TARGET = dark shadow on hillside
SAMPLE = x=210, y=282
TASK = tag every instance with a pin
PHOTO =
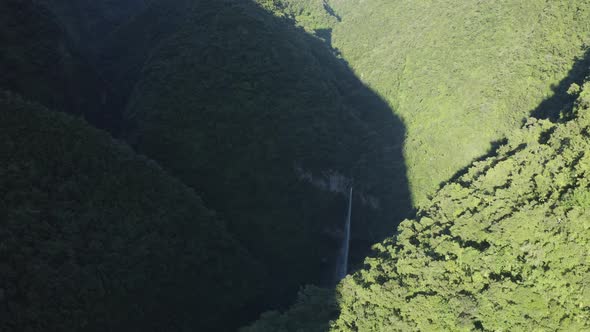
x=561, y=100
x=375, y=166
x=325, y=34
x=492, y=152
x=39, y=62
x=554, y=108
x=265, y=83
x=285, y=94
x=331, y=11
x=126, y=49
x=371, y=160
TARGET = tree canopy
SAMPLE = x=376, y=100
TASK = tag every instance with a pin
x=504, y=247
x=462, y=125
x=96, y=238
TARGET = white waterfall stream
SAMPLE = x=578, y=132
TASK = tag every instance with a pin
x=342, y=262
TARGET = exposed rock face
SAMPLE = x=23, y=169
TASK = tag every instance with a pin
x=333, y=181
x=329, y=180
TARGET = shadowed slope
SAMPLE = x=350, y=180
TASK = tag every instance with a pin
x=501, y=248
x=89, y=23
x=129, y=47
x=270, y=127
x=38, y=62
x=96, y=238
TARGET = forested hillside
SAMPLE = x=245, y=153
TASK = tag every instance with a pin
x=242, y=126
x=96, y=238
x=505, y=247
x=262, y=120
x=124, y=54
x=90, y=23
x=273, y=158
x=502, y=248
x=38, y=61
x=461, y=74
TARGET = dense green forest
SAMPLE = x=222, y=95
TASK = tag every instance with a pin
x=96, y=238
x=504, y=247
x=460, y=74
x=90, y=24
x=37, y=60
x=240, y=125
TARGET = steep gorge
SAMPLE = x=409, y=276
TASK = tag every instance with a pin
x=235, y=101
x=267, y=112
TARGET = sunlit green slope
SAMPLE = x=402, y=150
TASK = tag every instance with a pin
x=502, y=248
x=461, y=74
x=96, y=238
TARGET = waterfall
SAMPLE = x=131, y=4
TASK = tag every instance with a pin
x=342, y=263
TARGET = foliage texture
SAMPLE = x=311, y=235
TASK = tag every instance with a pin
x=96, y=238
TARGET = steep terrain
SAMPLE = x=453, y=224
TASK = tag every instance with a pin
x=267, y=112
x=38, y=61
x=96, y=238
x=505, y=247
x=124, y=54
x=502, y=248
x=461, y=74
x=90, y=23
x=270, y=127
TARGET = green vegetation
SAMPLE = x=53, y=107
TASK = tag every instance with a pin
x=460, y=74
x=126, y=51
x=96, y=238
x=312, y=312
x=238, y=104
x=505, y=247
x=262, y=111
x=90, y=23
x=315, y=16
x=37, y=61
x=502, y=248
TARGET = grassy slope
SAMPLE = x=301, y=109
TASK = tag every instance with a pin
x=461, y=74
x=235, y=101
x=502, y=248
x=96, y=238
